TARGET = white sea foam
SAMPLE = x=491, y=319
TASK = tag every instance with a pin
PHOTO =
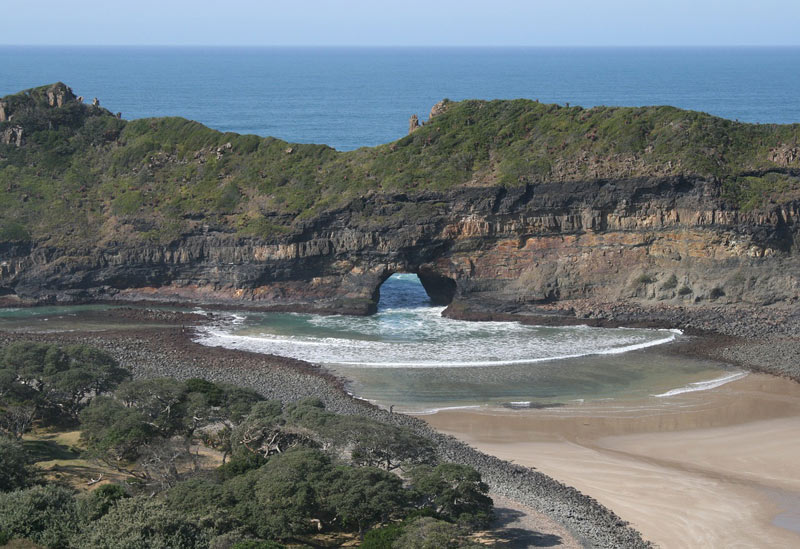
x=409, y=333
x=431, y=411
x=450, y=353
x=704, y=385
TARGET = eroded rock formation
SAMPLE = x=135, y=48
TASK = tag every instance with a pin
x=661, y=240
x=413, y=123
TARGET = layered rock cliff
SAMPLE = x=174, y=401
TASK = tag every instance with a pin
x=501, y=207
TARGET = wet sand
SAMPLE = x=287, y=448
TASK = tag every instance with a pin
x=715, y=468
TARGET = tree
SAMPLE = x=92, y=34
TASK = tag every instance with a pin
x=15, y=469
x=456, y=492
x=371, y=443
x=16, y=420
x=430, y=533
x=377, y=444
x=282, y=499
x=161, y=401
x=113, y=433
x=54, y=379
x=94, y=505
x=357, y=498
x=44, y=514
x=265, y=432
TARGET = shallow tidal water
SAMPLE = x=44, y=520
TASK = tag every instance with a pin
x=409, y=356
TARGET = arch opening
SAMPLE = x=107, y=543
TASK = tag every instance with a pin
x=408, y=289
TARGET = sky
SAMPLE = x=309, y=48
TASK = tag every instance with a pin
x=402, y=22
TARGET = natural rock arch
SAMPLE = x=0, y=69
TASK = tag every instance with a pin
x=440, y=288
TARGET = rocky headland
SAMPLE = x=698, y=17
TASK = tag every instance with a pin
x=503, y=207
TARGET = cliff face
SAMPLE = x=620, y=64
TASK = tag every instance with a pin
x=657, y=240
x=612, y=227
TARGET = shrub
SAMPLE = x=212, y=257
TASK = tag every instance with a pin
x=15, y=469
x=96, y=504
x=250, y=544
x=142, y=522
x=643, y=279
x=684, y=290
x=430, y=533
x=45, y=514
x=670, y=283
x=716, y=293
x=14, y=232
x=382, y=538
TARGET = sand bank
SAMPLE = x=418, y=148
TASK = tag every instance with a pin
x=714, y=468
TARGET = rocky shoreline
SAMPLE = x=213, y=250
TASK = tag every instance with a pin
x=760, y=339
x=169, y=351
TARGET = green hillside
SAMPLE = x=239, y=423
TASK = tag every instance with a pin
x=79, y=171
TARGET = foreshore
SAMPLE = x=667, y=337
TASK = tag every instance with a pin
x=713, y=468
x=168, y=350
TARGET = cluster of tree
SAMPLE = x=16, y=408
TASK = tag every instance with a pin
x=288, y=472
x=51, y=384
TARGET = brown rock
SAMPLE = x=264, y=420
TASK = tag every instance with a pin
x=413, y=123
x=3, y=113
x=438, y=109
x=12, y=136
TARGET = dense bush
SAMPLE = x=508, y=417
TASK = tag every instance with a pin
x=44, y=514
x=293, y=472
x=430, y=533
x=15, y=469
x=142, y=523
x=52, y=382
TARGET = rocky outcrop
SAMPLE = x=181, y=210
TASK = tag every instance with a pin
x=413, y=123
x=649, y=241
x=438, y=109
x=12, y=136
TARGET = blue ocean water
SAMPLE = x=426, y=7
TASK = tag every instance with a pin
x=348, y=98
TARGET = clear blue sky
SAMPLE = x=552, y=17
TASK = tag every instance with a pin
x=401, y=22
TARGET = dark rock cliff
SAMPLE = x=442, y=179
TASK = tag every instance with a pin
x=655, y=240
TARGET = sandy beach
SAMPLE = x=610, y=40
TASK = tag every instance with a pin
x=715, y=468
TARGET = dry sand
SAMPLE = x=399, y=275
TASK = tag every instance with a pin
x=716, y=468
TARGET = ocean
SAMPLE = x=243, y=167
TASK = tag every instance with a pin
x=348, y=98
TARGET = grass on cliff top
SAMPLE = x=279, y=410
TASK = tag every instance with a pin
x=84, y=176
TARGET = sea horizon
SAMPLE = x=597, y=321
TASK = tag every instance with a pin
x=351, y=97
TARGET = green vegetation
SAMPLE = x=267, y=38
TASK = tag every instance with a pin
x=202, y=464
x=752, y=192
x=643, y=280
x=51, y=384
x=94, y=174
x=671, y=283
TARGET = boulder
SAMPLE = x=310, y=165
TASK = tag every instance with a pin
x=438, y=109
